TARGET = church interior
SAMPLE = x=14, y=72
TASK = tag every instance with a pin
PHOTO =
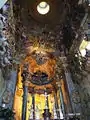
x=44, y=59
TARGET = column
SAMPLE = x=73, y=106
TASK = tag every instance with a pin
x=75, y=106
x=25, y=76
x=56, y=106
x=61, y=98
x=71, y=88
x=33, y=105
x=11, y=8
x=24, y=104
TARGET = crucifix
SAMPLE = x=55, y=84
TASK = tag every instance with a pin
x=46, y=100
x=46, y=114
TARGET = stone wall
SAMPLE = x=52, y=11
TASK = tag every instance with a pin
x=8, y=95
x=86, y=83
x=80, y=96
x=2, y=85
x=85, y=96
x=7, y=89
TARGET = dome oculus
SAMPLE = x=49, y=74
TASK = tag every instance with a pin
x=43, y=8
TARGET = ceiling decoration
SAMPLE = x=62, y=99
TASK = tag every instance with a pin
x=29, y=26
x=55, y=14
x=53, y=33
x=5, y=57
x=57, y=28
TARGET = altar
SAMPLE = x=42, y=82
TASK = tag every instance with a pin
x=40, y=94
x=39, y=106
